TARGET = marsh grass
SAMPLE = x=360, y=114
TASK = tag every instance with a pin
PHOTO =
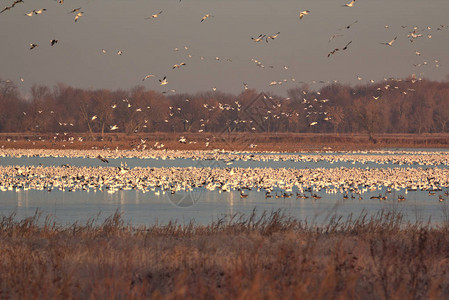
x=255, y=256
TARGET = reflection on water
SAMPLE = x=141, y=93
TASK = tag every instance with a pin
x=204, y=206
x=147, y=208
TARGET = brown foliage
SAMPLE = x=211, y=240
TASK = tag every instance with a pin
x=257, y=256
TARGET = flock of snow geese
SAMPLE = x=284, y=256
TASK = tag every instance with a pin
x=391, y=182
x=78, y=12
x=304, y=182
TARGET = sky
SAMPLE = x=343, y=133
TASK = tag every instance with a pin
x=299, y=54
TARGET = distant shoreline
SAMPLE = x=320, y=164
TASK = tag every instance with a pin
x=283, y=142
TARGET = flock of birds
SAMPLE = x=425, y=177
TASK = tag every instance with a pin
x=302, y=183
x=163, y=80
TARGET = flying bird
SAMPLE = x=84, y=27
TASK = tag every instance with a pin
x=346, y=47
x=303, y=13
x=259, y=38
x=32, y=46
x=78, y=15
x=38, y=12
x=74, y=10
x=154, y=15
x=351, y=4
x=390, y=42
x=176, y=66
x=53, y=42
x=147, y=76
x=5, y=9
x=205, y=17
x=272, y=37
x=163, y=81
x=114, y=127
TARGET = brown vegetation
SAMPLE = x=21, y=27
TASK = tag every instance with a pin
x=408, y=106
x=291, y=142
x=250, y=257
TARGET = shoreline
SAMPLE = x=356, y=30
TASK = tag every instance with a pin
x=278, y=142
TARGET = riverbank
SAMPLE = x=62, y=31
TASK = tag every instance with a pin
x=242, y=257
x=288, y=142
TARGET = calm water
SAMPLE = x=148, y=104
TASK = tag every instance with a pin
x=202, y=205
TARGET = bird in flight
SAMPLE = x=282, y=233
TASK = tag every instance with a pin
x=334, y=36
x=38, y=12
x=163, y=81
x=351, y=4
x=205, y=17
x=176, y=66
x=6, y=8
x=390, y=43
x=78, y=15
x=147, y=76
x=272, y=37
x=32, y=46
x=259, y=38
x=154, y=15
x=114, y=127
x=53, y=42
x=303, y=13
x=74, y=10
x=338, y=49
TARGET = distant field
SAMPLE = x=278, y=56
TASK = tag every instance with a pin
x=233, y=141
x=247, y=258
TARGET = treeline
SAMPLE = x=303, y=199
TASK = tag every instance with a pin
x=391, y=106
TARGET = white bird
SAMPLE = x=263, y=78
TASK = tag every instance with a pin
x=155, y=15
x=114, y=127
x=32, y=46
x=313, y=123
x=104, y=51
x=303, y=13
x=78, y=15
x=259, y=38
x=74, y=10
x=38, y=12
x=351, y=4
x=205, y=17
x=163, y=81
x=94, y=117
x=119, y=52
x=390, y=42
x=272, y=37
x=176, y=66
x=147, y=76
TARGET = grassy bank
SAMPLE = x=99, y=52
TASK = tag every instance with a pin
x=247, y=257
x=235, y=141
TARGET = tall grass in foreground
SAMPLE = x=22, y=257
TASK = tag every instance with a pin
x=251, y=257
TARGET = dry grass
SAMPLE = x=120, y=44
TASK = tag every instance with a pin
x=248, y=257
x=236, y=141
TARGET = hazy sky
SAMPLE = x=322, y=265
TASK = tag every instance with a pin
x=148, y=45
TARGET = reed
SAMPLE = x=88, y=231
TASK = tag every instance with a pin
x=255, y=256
